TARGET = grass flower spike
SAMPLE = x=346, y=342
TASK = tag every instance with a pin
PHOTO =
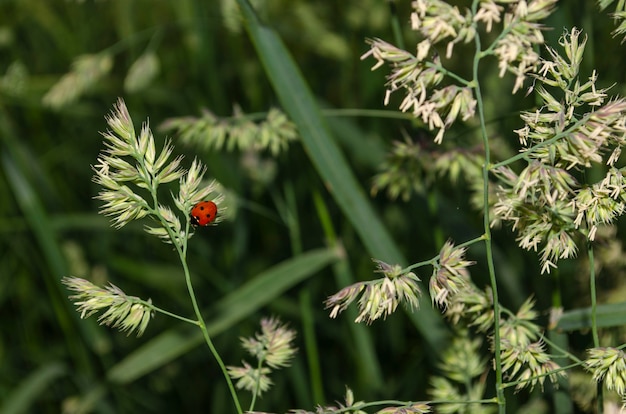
x=608, y=365
x=128, y=313
x=87, y=71
x=523, y=350
x=131, y=160
x=273, y=344
x=450, y=274
x=520, y=36
x=576, y=128
x=462, y=376
x=436, y=107
x=419, y=75
x=380, y=297
x=130, y=172
x=273, y=348
x=273, y=134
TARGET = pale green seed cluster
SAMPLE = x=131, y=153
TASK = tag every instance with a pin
x=272, y=348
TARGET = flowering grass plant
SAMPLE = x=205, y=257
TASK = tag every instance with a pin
x=576, y=126
x=131, y=173
x=544, y=193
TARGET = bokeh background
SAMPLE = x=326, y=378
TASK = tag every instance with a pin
x=283, y=228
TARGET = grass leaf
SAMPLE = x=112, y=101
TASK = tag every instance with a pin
x=298, y=101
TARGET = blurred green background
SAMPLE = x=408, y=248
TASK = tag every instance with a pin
x=285, y=230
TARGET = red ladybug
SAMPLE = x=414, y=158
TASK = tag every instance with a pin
x=203, y=213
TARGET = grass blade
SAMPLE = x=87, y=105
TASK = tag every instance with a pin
x=608, y=315
x=298, y=101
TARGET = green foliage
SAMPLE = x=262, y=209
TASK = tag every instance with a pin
x=297, y=225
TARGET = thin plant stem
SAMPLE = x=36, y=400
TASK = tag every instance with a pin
x=566, y=353
x=430, y=262
x=399, y=403
x=182, y=249
x=170, y=314
x=545, y=143
x=547, y=340
x=446, y=72
x=434, y=260
x=592, y=291
x=257, y=386
x=470, y=242
x=487, y=229
x=594, y=319
x=505, y=31
x=536, y=376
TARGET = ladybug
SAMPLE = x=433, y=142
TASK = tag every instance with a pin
x=203, y=213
